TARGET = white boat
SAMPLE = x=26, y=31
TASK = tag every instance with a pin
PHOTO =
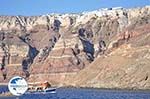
x=45, y=91
x=38, y=88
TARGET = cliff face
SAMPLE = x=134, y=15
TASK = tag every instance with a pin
x=56, y=46
x=126, y=66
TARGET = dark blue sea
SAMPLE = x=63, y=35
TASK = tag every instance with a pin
x=83, y=93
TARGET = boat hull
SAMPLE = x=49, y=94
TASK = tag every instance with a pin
x=48, y=90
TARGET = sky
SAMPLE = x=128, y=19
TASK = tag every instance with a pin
x=41, y=7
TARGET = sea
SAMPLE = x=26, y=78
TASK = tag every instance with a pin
x=83, y=93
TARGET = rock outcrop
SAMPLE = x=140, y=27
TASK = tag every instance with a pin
x=56, y=45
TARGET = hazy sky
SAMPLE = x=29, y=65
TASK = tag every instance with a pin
x=39, y=7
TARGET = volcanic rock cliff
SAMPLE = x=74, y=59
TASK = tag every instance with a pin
x=61, y=48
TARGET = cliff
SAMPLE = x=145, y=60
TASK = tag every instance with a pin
x=60, y=48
